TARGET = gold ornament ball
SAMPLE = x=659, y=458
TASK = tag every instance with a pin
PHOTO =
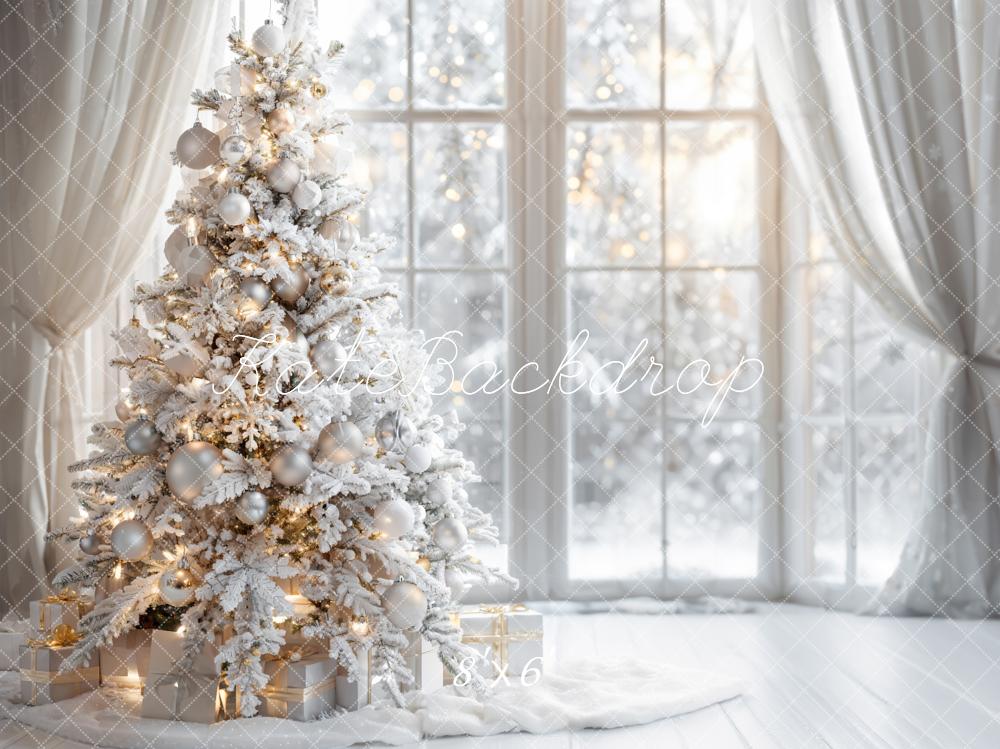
x=280, y=121
x=284, y=175
x=141, y=437
x=290, y=291
x=336, y=282
x=340, y=442
x=291, y=465
x=318, y=90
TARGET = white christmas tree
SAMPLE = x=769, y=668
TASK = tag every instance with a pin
x=277, y=468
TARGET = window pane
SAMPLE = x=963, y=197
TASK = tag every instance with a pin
x=712, y=500
x=471, y=303
x=826, y=309
x=460, y=194
x=888, y=482
x=709, y=54
x=617, y=503
x=613, y=53
x=374, y=60
x=379, y=166
x=458, y=52
x=712, y=317
x=613, y=180
x=711, y=193
x=826, y=513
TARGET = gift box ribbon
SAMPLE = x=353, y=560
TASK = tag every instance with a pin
x=501, y=637
x=62, y=598
x=297, y=694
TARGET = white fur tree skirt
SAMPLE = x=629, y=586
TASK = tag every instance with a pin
x=606, y=694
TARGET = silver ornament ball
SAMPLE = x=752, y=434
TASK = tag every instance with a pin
x=141, y=437
x=90, y=544
x=306, y=195
x=291, y=465
x=405, y=605
x=197, y=147
x=393, y=517
x=131, y=540
x=329, y=357
x=252, y=507
x=256, y=291
x=268, y=40
x=450, y=534
x=394, y=431
x=234, y=208
x=235, y=150
x=284, y=175
x=191, y=468
x=418, y=458
x=340, y=442
x=177, y=587
x=290, y=291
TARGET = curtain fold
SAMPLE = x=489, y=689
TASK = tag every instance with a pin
x=94, y=95
x=888, y=111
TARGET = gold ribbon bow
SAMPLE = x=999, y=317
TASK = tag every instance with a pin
x=62, y=598
x=501, y=636
x=63, y=636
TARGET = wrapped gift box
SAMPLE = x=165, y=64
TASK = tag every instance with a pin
x=13, y=634
x=41, y=681
x=299, y=689
x=65, y=608
x=192, y=694
x=125, y=662
x=508, y=637
x=421, y=658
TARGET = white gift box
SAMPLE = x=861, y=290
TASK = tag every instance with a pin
x=41, y=681
x=509, y=639
x=13, y=634
x=191, y=694
x=421, y=658
x=125, y=662
x=50, y=612
x=299, y=690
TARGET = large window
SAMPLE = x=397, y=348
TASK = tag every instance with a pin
x=555, y=167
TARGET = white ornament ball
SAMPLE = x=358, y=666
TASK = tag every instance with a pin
x=185, y=365
x=256, y=291
x=291, y=465
x=90, y=544
x=177, y=587
x=280, y=121
x=457, y=583
x=405, y=605
x=340, y=442
x=418, y=458
x=450, y=534
x=141, y=437
x=329, y=357
x=268, y=40
x=191, y=468
x=252, y=507
x=328, y=229
x=284, y=175
x=290, y=291
x=394, y=517
x=197, y=147
x=394, y=431
x=347, y=235
x=235, y=150
x=131, y=539
x=234, y=208
x=306, y=195
x=440, y=491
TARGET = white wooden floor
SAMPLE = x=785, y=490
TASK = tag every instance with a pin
x=816, y=679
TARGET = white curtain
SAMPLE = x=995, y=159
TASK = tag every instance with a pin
x=94, y=96
x=889, y=112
